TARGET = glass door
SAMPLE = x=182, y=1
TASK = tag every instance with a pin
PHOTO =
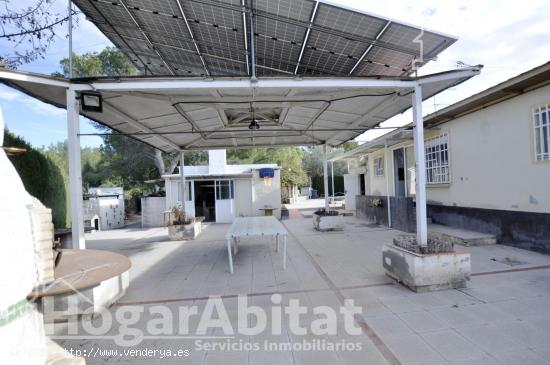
x=225, y=201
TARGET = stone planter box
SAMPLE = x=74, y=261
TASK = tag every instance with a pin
x=185, y=232
x=426, y=272
x=328, y=222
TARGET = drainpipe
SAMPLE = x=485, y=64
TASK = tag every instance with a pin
x=388, y=198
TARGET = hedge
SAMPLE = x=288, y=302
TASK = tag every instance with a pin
x=41, y=177
x=318, y=184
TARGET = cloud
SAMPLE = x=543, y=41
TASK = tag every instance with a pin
x=42, y=108
x=36, y=106
x=8, y=95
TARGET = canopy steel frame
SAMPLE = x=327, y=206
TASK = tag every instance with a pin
x=403, y=87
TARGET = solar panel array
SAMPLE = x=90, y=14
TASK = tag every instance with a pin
x=282, y=37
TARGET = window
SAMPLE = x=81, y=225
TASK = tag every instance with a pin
x=379, y=166
x=224, y=189
x=187, y=190
x=437, y=160
x=541, y=132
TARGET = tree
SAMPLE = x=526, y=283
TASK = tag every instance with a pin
x=288, y=158
x=30, y=29
x=109, y=62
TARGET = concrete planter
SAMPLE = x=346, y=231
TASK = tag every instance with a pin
x=184, y=232
x=328, y=222
x=422, y=273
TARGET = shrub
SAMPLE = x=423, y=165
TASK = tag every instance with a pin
x=41, y=177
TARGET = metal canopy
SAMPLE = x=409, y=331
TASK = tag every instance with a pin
x=174, y=113
x=261, y=37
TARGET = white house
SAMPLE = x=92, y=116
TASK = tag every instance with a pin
x=219, y=192
x=104, y=208
x=487, y=165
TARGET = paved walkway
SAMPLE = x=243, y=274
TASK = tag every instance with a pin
x=501, y=318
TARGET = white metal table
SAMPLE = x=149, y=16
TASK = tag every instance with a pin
x=254, y=226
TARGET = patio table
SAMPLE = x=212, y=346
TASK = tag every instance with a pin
x=254, y=226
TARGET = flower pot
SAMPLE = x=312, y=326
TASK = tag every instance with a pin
x=184, y=232
x=426, y=272
x=328, y=222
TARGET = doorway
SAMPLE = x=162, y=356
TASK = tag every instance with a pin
x=205, y=200
x=399, y=172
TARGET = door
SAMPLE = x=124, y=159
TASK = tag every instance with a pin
x=225, y=201
x=399, y=177
x=189, y=197
x=351, y=187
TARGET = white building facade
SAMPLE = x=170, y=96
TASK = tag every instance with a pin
x=219, y=192
x=487, y=166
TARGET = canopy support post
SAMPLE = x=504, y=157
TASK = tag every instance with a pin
x=182, y=181
x=388, y=197
x=332, y=178
x=75, y=170
x=325, y=176
x=420, y=167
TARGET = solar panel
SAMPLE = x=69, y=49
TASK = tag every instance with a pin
x=302, y=37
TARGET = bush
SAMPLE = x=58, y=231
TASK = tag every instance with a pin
x=41, y=177
x=132, y=199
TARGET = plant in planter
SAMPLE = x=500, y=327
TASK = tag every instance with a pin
x=377, y=203
x=327, y=220
x=438, y=265
x=183, y=227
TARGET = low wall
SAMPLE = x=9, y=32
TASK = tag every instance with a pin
x=151, y=211
x=402, y=211
x=526, y=230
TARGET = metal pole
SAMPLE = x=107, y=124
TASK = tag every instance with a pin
x=75, y=170
x=325, y=175
x=388, y=197
x=420, y=167
x=182, y=181
x=252, y=42
x=332, y=176
x=70, y=39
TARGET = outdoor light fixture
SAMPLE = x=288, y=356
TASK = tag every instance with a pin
x=91, y=101
x=254, y=125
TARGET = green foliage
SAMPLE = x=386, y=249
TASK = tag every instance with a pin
x=42, y=177
x=288, y=158
x=318, y=184
x=130, y=163
x=109, y=62
x=132, y=199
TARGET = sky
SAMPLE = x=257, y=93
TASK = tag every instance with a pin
x=506, y=36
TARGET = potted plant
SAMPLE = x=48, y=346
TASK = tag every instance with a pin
x=183, y=228
x=376, y=202
x=327, y=220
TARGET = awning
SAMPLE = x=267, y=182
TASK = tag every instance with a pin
x=178, y=113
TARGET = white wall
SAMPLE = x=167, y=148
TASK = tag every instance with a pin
x=377, y=184
x=492, y=163
x=491, y=160
x=243, y=198
x=263, y=195
x=151, y=211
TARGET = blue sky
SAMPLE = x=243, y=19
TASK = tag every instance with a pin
x=505, y=37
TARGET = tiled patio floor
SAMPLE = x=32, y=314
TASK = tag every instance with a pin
x=503, y=316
